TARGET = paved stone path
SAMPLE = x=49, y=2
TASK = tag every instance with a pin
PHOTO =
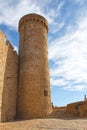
x=46, y=124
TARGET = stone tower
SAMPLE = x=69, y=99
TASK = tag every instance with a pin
x=34, y=99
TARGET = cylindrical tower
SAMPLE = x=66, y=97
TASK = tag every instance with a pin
x=34, y=99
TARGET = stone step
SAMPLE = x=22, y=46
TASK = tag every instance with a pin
x=59, y=114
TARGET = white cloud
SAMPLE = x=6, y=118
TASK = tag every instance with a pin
x=75, y=88
x=56, y=27
x=11, y=13
x=69, y=54
x=58, y=82
x=16, y=49
x=60, y=5
x=80, y=1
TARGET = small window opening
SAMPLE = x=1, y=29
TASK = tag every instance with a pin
x=45, y=93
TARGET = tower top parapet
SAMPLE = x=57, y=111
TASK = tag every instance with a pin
x=35, y=17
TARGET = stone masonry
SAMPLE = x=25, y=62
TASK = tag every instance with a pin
x=34, y=99
x=8, y=80
x=78, y=109
x=24, y=78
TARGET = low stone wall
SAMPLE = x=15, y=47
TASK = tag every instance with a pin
x=78, y=109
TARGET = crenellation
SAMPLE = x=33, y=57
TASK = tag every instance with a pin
x=8, y=43
x=33, y=17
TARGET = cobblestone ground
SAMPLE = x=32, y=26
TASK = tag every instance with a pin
x=46, y=124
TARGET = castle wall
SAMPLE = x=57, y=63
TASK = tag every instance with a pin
x=34, y=82
x=8, y=81
x=2, y=65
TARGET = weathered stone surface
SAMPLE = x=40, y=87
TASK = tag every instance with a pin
x=34, y=82
x=8, y=80
x=78, y=109
x=32, y=79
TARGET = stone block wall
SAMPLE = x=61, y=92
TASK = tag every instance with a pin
x=8, y=80
x=78, y=109
x=2, y=65
x=83, y=109
x=34, y=97
x=71, y=108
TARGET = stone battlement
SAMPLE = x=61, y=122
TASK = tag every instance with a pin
x=9, y=44
x=6, y=42
x=33, y=17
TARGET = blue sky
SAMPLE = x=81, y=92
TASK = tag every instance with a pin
x=67, y=42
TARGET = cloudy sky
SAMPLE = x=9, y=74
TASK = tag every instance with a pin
x=67, y=41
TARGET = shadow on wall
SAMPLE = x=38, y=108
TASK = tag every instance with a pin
x=9, y=94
